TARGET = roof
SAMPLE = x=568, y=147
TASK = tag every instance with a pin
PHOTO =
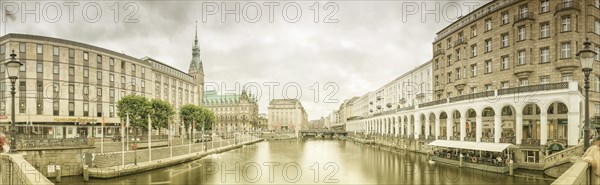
x=469, y=145
x=213, y=96
x=291, y=101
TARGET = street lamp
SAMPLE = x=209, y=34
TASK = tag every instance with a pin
x=586, y=56
x=12, y=68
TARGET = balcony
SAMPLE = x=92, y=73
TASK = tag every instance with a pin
x=523, y=70
x=438, y=52
x=567, y=6
x=524, y=17
x=471, y=96
x=388, y=105
x=432, y=103
x=533, y=88
x=566, y=65
x=530, y=142
x=430, y=137
x=459, y=42
x=455, y=138
x=439, y=88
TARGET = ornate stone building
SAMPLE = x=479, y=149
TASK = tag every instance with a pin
x=233, y=112
x=287, y=115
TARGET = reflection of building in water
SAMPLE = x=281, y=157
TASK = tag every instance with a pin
x=233, y=112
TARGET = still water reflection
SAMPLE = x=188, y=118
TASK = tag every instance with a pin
x=318, y=162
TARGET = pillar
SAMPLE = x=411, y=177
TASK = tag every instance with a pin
x=437, y=127
x=519, y=131
x=397, y=125
x=417, y=126
x=449, y=128
x=427, y=129
x=479, y=128
x=497, y=126
x=543, y=127
x=463, y=127
x=573, y=128
x=402, y=131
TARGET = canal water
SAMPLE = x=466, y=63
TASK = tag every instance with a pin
x=317, y=162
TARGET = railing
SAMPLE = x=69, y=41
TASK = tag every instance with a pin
x=576, y=174
x=567, y=5
x=14, y=169
x=471, y=96
x=562, y=156
x=459, y=42
x=441, y=137
x=524, y=16
x=421, y=136
x=470, y=139
x=438, y=52
x=430, y=137
x=412, y=107
x=507, y=140
x=487, y=139
x=52, y=143
x=432, y=103
x=532, y=88
x=455, y=138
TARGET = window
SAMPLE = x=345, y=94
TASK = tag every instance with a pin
x=71, y=108
x=457, y=73
x=457, y=55
x=597, y=27
x=474, y=70
x=86, y=90
x=474, y=50
x=488, y=66
x=55, y=51
x=598, y=52
x=523, y=82
x=566, y=23
x=565, y=50
x=23, y=67
x=449, y=62
x=86, y=56
x=473, y=89
x=111, y=111
x=133, y=67
x=111, y=61
x=99, y=60
x=2, y=49
x=488, y=45
x=504, y=40
x=86, y=72
x=71, y=53
x=504, y=18
x=598, y=83
x=71, y=71
x=521, y=34
x=474, y=31
x=143, y=84
x=143, y=70
x=449, y=77
x=99, y=75
x=544, y=55
x=22, y=47
x=523, y=11
x=39, y=49
x=111, y=93
x=71, y=89
x=545, y=6
x=40, y=67
x=544, y=30
x=111, y=77
x=488, y=87
x=99, y=91
x=521, y=58
x=567, y=77
x=449, y=42
x=505, y=84
x=488, y=24
x=505, y=63
x=544, y=79
x=86, y=108
x=597, y=108
x=55, y=87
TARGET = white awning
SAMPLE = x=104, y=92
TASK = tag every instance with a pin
x=469, y=145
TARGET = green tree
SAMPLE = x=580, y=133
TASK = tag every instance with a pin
x=189, y=114
x=137, y=108
x=161, y=111
x=208, y=118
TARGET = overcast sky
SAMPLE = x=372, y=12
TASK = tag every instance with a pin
x=362, y=46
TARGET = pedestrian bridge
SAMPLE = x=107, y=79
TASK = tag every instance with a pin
x=330, y=133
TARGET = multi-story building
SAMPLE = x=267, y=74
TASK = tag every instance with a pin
x=505, y=73
x=233, y=112
x=287, y=115
x=66, y=89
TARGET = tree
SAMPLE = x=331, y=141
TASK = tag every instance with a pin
x=208, y=118
x=161, y=111
x=189, y=113
x=136, y=107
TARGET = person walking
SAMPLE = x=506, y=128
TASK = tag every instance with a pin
x=592, y=156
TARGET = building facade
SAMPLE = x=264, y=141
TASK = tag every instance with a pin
x=233, y=112
x=505, y=73
x=287, y=115
x=67, y=89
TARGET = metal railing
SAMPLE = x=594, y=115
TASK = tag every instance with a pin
x=530, y=142
x=533, y=88
x=524, y=16
x=432, y=103
x=567, y=5
x=471, y=96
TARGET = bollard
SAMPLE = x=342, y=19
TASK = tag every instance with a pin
x=86, y=174
x=58, y=174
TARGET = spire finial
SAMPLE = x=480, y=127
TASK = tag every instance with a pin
x=196, y=35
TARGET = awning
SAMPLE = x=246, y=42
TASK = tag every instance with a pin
x=469, y=145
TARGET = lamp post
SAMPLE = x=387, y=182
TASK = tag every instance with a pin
x=12, y=68
x=586, y=56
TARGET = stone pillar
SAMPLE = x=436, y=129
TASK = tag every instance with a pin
x=449, y=128
x=573, y=128
x=519, y=131
x=402, y=131
x=497, y=126
x=417, y=126
x=463, y=126
x=397, y=125
x=410, y=127
x=479, y=128
x=543, y=127
x=427, y=129
x=437, y=127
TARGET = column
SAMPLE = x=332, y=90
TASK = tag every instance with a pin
x=479, y=128
x=397, y=125
x=402, y=126
x=463, y=127
x=519, y=131
x=449, y=127
x=410, y=127
x=417, y=126
x=497, y=126
x=437, y=127
x=427, y=129
x=573, y=127
x=543, y=127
